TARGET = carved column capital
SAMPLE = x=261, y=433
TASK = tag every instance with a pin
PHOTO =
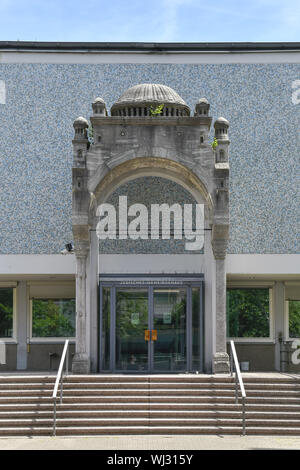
x=220, y=235
x=81, y=248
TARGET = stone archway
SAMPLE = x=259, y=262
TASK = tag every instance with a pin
x=133, y=143
x=152, y=166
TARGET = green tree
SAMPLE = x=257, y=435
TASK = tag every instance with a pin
x=248, y=313
x=6, y=313
x=294, y=318
x=53, y=318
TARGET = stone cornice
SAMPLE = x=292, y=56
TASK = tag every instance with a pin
x=151, y=121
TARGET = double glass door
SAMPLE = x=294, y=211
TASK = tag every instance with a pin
x=151, y=329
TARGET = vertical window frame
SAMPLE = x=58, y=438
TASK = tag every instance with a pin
x=287, y=336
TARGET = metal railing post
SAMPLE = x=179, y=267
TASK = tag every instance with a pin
x=67, y=362
x=236, y=389
x=244, y=416
x=60, y=379
x=238, y=380
x=61, y=389
x=54, y=418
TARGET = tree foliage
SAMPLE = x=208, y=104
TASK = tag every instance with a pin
x=53, y=318
x=156, y=111
x=248, y=313
x=294, y=318
x=6, y=313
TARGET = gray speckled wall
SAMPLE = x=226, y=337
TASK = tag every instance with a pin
x=149, y=190
x=36, y=155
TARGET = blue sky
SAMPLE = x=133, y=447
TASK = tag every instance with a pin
x=155, y=20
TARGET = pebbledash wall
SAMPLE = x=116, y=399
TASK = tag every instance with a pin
x=45, y=87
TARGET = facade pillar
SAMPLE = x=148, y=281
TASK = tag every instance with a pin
x=221, y=358
x=81, y=361
x=279, y=318
x=22, y=325
x=219, y=244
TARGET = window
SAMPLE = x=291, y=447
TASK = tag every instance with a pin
x=53, y=318
x=196, y=329
x=294, y=318
x=248, y=312
x=6, y=312
x=105, y=331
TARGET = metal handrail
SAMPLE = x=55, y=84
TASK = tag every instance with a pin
x=238, y=379
x=60, y=378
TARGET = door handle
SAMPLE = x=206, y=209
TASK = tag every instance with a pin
x=147, y=335
x=154, y=335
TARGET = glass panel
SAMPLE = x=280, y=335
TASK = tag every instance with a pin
x=105, y=339
x=53, y=318
x=248, y=313
x=294, y=318
x=131, y=323
x=6, y=313
x=169, y=319
x=196, y=340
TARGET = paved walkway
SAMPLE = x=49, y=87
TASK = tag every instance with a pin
x=152, y=443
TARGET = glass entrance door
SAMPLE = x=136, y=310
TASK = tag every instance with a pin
x=169, y=333
x=151, y=329
x=131, y=326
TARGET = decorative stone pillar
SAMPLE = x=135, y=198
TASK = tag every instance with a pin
x=219, y=244
x=81, y=362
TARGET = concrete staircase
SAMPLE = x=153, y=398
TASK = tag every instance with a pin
x=174, y=404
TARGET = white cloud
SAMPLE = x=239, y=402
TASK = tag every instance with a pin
x=170, y=19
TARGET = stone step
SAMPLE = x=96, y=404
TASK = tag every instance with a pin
x=212, y=393
x=122, y=414
x=182, y=406
x=180, y=378
x=121, y=430
x=141, y=430
x=150, y=422
x=144, y=413
x=226, y=387
x=200, y=400
x=115, y=386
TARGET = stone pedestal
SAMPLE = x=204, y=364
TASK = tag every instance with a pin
x=221, y=363
x=81, y=364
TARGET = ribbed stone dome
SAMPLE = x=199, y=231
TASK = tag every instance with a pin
x=137, y=100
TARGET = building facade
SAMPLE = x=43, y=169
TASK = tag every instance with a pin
x=134, y=299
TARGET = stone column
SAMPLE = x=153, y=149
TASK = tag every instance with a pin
x=22, y=325
x=279, y=317
x=81, y=361
x=221, y=358
x=219, y=244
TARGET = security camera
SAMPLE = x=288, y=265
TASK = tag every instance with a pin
x=69, y=248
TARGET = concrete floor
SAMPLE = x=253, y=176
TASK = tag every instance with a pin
x=152, y=443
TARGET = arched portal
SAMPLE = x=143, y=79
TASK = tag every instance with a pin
x=151, y=298
x=151, y=314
